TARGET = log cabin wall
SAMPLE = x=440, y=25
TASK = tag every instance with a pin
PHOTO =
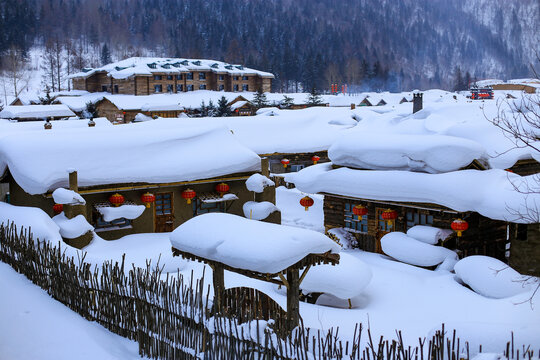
x=526, y=167
x=525, y=248
x=300, y=160
x=484, y=237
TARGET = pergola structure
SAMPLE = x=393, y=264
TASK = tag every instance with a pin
x=289, y=277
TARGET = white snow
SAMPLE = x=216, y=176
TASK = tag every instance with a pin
x=258, y=182
x=141, y=118
x=490, y=277
x=428, y=234
x=345, y=280
x=293, y=214
x=248, y=244
x=65, y=196
x=12, y=128
x=127, y=211
x=411, y=251
x=382, y=151
x=72, y=228
x=182, y=154
x=491, y=193
x=39, y=223
x=35, y=111
x=258, y=210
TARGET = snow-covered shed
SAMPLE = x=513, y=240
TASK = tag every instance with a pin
x=180, y=168
x=36, y=112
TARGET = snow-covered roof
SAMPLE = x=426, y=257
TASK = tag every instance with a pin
x=491, y=193
x=30, y=98
x=8, y=127
x=238, y=104
x=147, y=66
x=248, y=244
x=150, y=153
x=35, y=111
x=78, y=103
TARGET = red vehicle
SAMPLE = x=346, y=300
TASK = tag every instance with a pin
x=484, y=93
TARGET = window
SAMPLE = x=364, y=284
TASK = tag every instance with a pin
x=296, y=168
x=382, y=224
x=190, y=88
x=116, y=89
x=244, y=77
x=200, y=207
x=170, y=88
x=101, y=225
x=190, y=76
x=245, y=87
x=157, y=77
x=221, y=87
x=158, y=88
x=179, y=77
x=521, y=232
x=235, y=87
x=352, y=222
x=418, y=218
x=104, y=88
x=202, y=87
x=235, y=78
x=179, y=87
x=169, y=77
x=163, y=204
x=221, y=77
x=202, y=76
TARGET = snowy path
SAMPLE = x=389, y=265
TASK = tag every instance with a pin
x=34, y=326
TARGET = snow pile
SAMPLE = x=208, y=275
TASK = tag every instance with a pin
x=346, y=238
x=72, y=228
x=34, y=219
x=10, y=128
x=169, y=155
x=248, y=244
x=111, y=213
x=428, y=234
x=490, y=277
x=258, y=210
x=141, y=118
x=411, y=251
x=382, y=151
x=293, y=214
x=345, y=280
x=65, y=196
x=492, y=193
x=35, y=111
x=258, y=182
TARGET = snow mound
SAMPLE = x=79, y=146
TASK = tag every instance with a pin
x=490, y=277
x=142, y=118
x=258, y=182
x=34, y=219
x=247, y=244
x=383, y=151
x=111, y=213
x=65, y=196
x=258, y=210
x=72, y=228
x=411, y=251
x=428, y=234
x=345, y=280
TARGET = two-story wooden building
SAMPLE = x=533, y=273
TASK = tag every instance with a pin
x=145, y=76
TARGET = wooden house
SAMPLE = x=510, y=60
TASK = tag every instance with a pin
x=145, y=76
x=372, y=101
x=124, y=108
x=241, y=106
x=132, y=161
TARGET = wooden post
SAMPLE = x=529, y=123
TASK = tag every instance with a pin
x=219, y=287
x=73, y=183
x=293, y=299
x=265, y=170
x=72, y=211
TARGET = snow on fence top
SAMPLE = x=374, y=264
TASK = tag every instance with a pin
x=492, y=193
x=383, y=151
x=248, y=244
x=139, y=153
x=147, y=66
x=35, y=112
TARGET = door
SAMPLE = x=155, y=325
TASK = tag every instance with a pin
x=164, y=212
x=383, y=228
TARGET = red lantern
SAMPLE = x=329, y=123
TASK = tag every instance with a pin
x=116, y=199
x=147, y=199
x=459, y=226
x=58, y=208
x=315, y=158
x=222, y=189
x=306, y=202
x=285, y=162
x=188, y=194
x=360, y=211
x=389, y=216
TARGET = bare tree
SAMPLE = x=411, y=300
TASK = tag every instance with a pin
x=15, y=70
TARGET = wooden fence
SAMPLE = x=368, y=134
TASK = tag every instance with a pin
x=171, y=318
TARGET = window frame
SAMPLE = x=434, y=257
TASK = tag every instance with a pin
x=350, y=221
x=156, y=87
x=158, y=77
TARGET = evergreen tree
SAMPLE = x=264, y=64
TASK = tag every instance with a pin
x=203, y=111
x=47, y=99
x=458, y=80
x=91, y=110
x=211, y=109
x=223, y=108
x=314, y=98
x=105, y=55
x=287, y=102
x=259, y=99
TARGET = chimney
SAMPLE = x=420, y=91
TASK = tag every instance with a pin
x=417, y=102
x=353, y=106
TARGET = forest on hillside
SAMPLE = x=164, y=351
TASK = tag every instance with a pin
x=367, y=44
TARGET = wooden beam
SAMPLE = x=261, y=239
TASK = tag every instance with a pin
x=219, y=287
x=304, y=273
x=285, y=282
x=293, y=299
